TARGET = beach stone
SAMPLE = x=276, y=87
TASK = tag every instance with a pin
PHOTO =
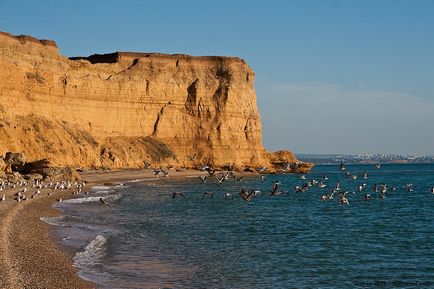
x=15, y=160
x=60, y=174
x=3, y=165
x=8, y=169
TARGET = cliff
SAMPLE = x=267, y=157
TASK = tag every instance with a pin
x=125, y=110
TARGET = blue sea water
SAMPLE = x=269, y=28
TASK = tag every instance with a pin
x=149, y=240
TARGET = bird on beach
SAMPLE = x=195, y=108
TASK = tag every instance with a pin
x=3, y=198
x=192, y=158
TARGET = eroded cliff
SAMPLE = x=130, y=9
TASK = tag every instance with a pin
x=124, y=110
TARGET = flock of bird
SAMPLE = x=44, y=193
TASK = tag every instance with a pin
x=25, y=190
x=342, y=195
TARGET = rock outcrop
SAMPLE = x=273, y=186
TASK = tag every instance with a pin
x=124, y=110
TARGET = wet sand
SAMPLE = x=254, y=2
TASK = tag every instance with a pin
x=29, y=257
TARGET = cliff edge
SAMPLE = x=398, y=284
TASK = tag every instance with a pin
x=129, y=110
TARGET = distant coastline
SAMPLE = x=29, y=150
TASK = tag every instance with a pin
x=330, y=159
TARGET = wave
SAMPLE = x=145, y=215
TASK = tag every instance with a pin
x=93, y=252
x=54, y=221
x=100, y=188
x=92, y=199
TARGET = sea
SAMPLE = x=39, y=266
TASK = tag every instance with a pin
x=148, y=239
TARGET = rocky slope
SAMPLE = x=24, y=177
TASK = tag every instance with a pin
x=124, y=109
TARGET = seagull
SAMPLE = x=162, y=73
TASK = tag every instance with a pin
x=202, y=179
x=343, y=199
x=378, y=166
x=342, y=167
x=409, y=187
x=321, y=185
x=261, y=169
x=432, y=190
x=337, y=186
x=209, y=194
x=3, y=198
x=102, y=202
x=210, y=171
x=220, y=180
x=228, y=196
x=327, y=197
x=262, y=178
x=275, y=187
x=245, y=195
x=175, y=194
x=192, y=158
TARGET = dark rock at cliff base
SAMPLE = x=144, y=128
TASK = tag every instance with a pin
x=15, y=160
x=45, y=169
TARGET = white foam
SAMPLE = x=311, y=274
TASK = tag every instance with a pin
x=136, y=181
x=100, y=188
x=93, y=252
x=54, y=221
x=92, y=199
x=102, y=192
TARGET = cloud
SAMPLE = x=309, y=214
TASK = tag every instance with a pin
x=327, y=118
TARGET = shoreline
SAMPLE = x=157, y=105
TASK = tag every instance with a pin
x=29, y=256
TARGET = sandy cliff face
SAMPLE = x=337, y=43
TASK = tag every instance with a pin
x=127, y=109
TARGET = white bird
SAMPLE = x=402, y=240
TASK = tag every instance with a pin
x=3, y=198
x=228, y=196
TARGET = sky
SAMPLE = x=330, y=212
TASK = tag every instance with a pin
x=353, y=77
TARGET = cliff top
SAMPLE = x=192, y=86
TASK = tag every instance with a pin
x=23, y=39
x=117, y=56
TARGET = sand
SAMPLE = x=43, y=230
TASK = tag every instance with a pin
x=29, y=257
